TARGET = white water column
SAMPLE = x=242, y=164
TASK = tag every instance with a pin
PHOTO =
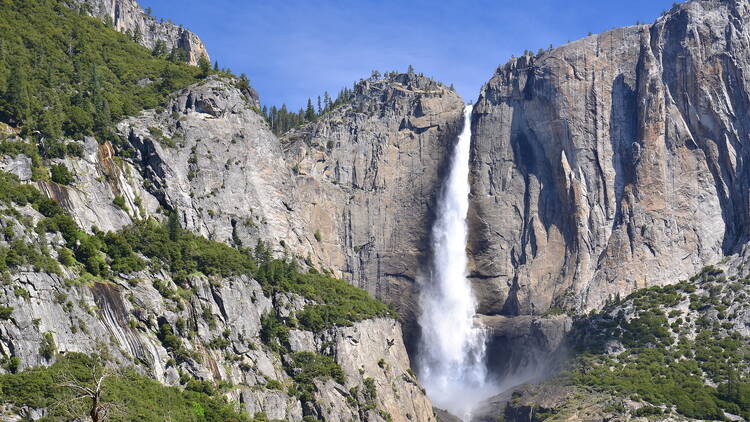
x=451, y=360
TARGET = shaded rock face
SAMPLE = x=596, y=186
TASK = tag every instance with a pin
x=367, y=174
x=612, y=163
x=127, y=16
x=524, y=347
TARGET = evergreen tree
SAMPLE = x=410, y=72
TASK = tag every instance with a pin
x=205, y=66
x=320, y=111
x=309, y=111
x=137, y=35
x=173, y=226
x=244, y=83
x=19, y=102
x=51, y=119
x=167, y=76
x=327, y=101
x=160, y=49
x=216, y=66
x=178, y=55
x=273, y=117
x=102, y=114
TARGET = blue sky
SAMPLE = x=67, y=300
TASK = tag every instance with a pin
x=295, y=49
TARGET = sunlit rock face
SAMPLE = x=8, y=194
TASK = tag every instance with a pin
x=367, y=175
x=612, y=163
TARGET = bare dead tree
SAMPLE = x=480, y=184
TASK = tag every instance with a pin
x=89, y=395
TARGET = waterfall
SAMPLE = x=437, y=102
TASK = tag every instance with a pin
x=451, y=360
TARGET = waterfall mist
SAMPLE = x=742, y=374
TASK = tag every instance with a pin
x=451, y=359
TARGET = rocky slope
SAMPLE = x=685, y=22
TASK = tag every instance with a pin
x=207, y=328
x=612, y=163
x=675, y=353
x=210, y=155
x=125, y=320
x=129, y=17
x=367, y=174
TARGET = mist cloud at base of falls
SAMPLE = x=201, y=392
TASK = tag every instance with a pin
x=451, y=360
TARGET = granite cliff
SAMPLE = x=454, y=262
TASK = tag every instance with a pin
x=612, y=163
x=367, y=175
x=605, y=166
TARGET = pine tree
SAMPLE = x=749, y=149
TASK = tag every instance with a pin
x=309, y=111
x=173, y=226
x=160, y=49
x=320, y=111
x=18, y=94
x=216, y=66
x=51, y=119
x=167, y=76
x=205, y=66
x=244, y=83
x=327, y=101
x=137, y=35
x=274, y=116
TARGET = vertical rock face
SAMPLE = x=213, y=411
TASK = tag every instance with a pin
x=367, y=174
x=211, y=156
x=128, y=16
x=612, y=163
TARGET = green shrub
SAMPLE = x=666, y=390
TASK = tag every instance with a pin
x=647, y=411
x=274, y=333
x=60, y=174
x=21, y=292
x=305, y=367
x=12, y=364
x=47, y=347
x=5, y=312
x=339, y=303
x=119, y=202
x=182, y=251
x=274, y=385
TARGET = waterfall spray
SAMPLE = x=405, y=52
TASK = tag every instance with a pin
x=451, y=358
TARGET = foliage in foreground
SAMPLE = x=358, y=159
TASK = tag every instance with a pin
x=134, y=397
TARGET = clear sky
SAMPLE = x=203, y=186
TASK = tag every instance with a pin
x=295, y=49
